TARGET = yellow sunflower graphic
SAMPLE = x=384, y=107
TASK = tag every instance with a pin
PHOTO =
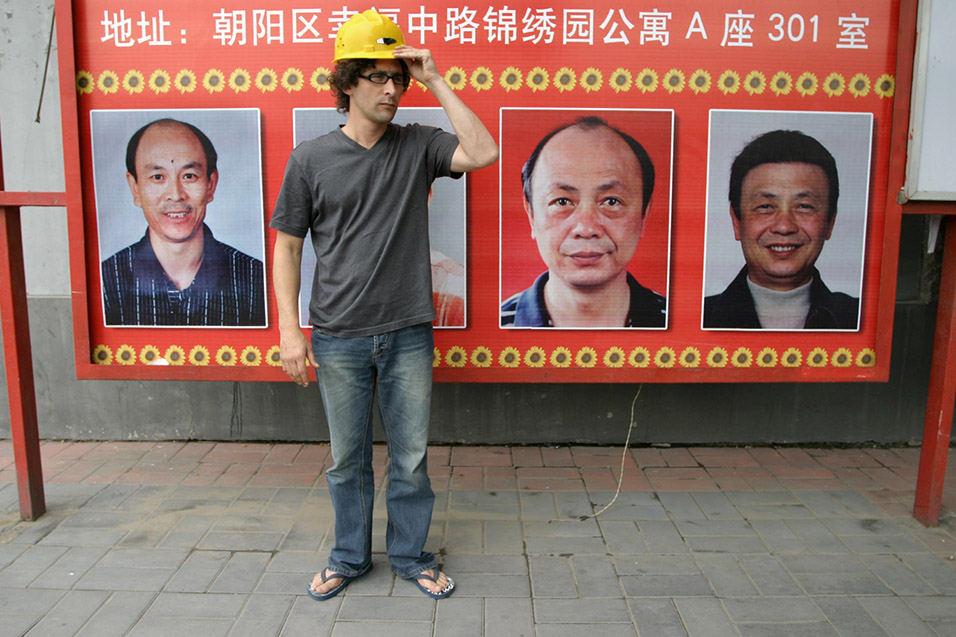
x=214, y=81
x=125, y=355
x=319, y=80
x=292, y=79
x=481, y=356
x=535, y=357
x=509, y=357
x=102, y=355
x=885, y=86
x=511, y=79
x=537, y=79
x=436, y=357
x=741, y=357
x=834, y=84
x=817, y=357
x=674, y=81
x=843, y=357
x=621, y=80
x=755, y=82
x=456, y=356
x=690, y=357
x=455, y=78
x=781, y=83
x=565, y=79
x=561, y=357
x=266, y=80
x=185, y=81
x=175, y=355
x=85, y=82
x=239, y=80
x=251, y=356
x=159, y=81
x=273, y=357
x=199, y=355
x=226, y=356
x=639, y=357
x=614, y=357
x=717, y=357
x=728, y=82
x=134, y=82
x=586, y=357
x=420, y=86
x=866, y=358
x=592, y=79
x=859, y=85
x=108, y=82
x=482, y=79
x=149, y=354
x=700, y=81
x=806, y=84
x=647, y=80
x=792, y=357
x=767, y=357
x=665, y=357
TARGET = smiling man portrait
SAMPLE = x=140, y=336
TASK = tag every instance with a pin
x=178, y=274
x=783, y=196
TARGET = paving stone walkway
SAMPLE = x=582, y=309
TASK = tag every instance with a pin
x=208, y=539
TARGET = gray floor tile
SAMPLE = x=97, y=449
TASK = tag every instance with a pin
x=117, y=614
x=848, y=617
x=726, y=576
x=241, y=573
x=772, y=609
x=509, y=616
x=196, y=606
x=595, y=576
x=181, y=628
x=460, y=617
x=656, y=616
x=551, y=577
x=581, y=611
x=69, y=614
x=894, y=616
x=704, y=617
x=68, y=568
x=666, y=586
x=263, y=615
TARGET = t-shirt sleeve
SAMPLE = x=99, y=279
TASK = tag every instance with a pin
x=293, y=210
x=441, y=147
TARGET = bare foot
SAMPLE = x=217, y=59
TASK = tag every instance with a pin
x=319, y=587
x=437, y=587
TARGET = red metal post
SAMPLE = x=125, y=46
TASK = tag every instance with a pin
x=18, y=359
x=942, y=393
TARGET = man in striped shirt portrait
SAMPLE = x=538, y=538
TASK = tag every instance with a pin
x=178, y=274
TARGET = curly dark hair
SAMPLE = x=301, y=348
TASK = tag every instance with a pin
x=346, y=75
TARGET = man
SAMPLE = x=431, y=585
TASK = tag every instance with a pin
x=587, y=191
x=362, y=190
x=178, y=274
x=783, y=203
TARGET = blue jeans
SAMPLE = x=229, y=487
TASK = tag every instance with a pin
x=400, y=363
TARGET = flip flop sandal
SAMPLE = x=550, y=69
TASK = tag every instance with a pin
x=326, y=576
x=448, y=590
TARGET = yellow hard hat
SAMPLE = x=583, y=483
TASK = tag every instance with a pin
x=368, y=35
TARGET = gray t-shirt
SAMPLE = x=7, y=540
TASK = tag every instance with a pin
x=367, y=210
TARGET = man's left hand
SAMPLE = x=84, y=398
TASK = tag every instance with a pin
x=420, y=63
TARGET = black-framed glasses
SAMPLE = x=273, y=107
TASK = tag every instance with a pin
x=400, y=79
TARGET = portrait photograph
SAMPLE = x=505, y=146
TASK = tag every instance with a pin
x=585, y=218
x=786, y=218
x=446, y=219
x=179, y=217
